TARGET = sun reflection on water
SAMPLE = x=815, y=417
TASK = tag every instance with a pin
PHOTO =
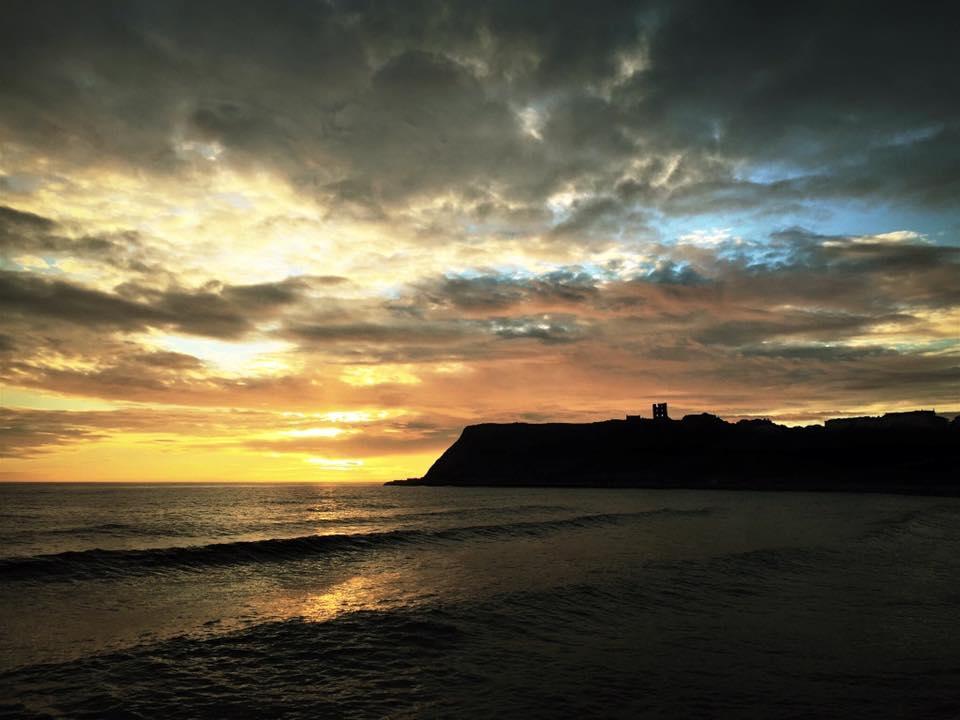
x=360, y=592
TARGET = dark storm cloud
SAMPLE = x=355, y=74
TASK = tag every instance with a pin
x=835, y=382
x=218, y=311
x=494, y=291
x=803, y=81
x=24, y=232
x=371, y=104
x=123, y=371
x=920, y=172
x=437, y=338
x=822, y=353
x=821, y=326
x=870, y=255
x=140, y=372
x=549, y=329
x=418, y=332
x=601, y=216
x=425, y=105
x=26, y=295
x=24, y=433
x=870, y=272
x=906, y=378
x=14, y=223
x=668, y=272
x=142, y=381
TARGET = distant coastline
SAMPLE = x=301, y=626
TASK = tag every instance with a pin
x=908, y=452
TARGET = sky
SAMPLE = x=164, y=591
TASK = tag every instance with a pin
x=310, y=241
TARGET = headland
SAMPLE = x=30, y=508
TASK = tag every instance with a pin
x=908, y=452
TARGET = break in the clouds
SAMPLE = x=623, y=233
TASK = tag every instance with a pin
x=296, y=240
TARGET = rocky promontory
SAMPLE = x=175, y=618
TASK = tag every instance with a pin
x=913, y=452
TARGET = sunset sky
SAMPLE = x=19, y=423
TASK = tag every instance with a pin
x=313, y=240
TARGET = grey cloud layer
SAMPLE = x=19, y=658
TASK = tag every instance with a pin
x=370, y=105
x=216, y=311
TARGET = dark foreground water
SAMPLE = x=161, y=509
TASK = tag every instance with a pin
x=318, y=601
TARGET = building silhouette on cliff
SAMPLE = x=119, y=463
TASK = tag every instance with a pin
x=659, y=413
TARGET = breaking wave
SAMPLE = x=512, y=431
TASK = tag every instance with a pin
x=99, y=563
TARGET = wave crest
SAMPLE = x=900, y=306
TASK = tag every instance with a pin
x=99, y=563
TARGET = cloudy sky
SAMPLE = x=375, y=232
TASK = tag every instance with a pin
x=312, y=240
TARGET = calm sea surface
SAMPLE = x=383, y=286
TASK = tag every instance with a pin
x=143, y=601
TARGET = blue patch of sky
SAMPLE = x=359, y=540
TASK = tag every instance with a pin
x=825, y=218
x=770, y=172
x=509, y=272
x=21, y=183
x=853, y=218
x=596, y=271
x=830, y=217
x=909, y=137
x=932, y=347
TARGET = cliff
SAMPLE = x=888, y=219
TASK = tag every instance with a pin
x=902, y=452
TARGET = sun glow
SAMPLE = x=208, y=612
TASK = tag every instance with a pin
x=255, y=358
x=321, y=432
x=335, y=464
x=364, y=375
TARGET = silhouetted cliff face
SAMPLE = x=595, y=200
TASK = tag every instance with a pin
x=912, y=454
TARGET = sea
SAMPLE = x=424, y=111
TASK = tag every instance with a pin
x=350, y=601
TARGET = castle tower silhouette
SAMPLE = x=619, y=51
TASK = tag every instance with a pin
x=660, y=411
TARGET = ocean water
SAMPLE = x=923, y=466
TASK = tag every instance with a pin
x=158, y=601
